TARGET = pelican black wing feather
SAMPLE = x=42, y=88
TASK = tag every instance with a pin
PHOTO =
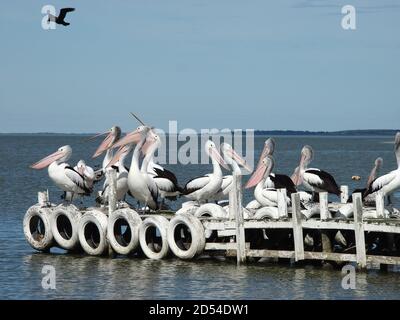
x=328, y=182
x=79, y=182
x=283, y=181
x=166, y=174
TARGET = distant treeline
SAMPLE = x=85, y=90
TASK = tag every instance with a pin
x=372, y=132
x=375, y=132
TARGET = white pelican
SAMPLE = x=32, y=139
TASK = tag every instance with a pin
x=113, y=135
x=87, y=172
x=267, y=197
x=276, y=180
x=165, y=180
x=389, y=182
x=203, y=188
x=122, y=176
x=313, y=179
x=141, y=186
x=61, y=173
x=234, y=160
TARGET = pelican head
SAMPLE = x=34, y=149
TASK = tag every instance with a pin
x=231, y=156
x=307, y=155
x=121, y=154
x=263, y=171
x=214, y=154
x=113, y=135
x=268, y=150
x=60, y=156
x=133, y=137
x=375, y=170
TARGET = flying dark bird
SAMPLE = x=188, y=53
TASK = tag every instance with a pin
x=61, y=16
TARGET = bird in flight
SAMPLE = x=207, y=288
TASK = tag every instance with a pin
x=61, y=16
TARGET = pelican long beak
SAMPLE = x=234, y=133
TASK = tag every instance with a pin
x=241, y=161
x=217, y=156
x=257, y=176
x=132, y=137
x=118, y=155
x=47, y=160
x=266, y=152
x=296, y=178
x=149, y=142
x=105, y=144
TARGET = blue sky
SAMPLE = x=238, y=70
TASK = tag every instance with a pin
x=214, y=63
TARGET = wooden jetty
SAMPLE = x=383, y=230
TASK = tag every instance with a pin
x=229, y=231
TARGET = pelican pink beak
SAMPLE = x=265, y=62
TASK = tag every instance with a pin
x=266, y=151
x=41, y=164
x=118, y=154
x=132, y=137
x=296, y=178
x=257, y=176
x=106, y=144
x=217, y=156
x=240, y=160
x=150, y=140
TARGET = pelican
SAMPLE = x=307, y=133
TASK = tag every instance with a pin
x=87, y=172
x=267, y=197
x=113, y=135
x=276, y=180
x=234, y=160
x=205, y=187
x=389, y=182
x=141, y=186
x=313, y=179
x=370, y=199
x=165, y=180
x=122, y=176
x=61, y=173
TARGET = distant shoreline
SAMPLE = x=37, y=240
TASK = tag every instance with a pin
x=344, y=133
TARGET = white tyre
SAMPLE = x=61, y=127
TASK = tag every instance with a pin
x=186, y=236
x=267, y=213
x=211, y=210
x=65, y=226
x=93, y=233
x=123, y=230
x=153, y=237
x=37, y=228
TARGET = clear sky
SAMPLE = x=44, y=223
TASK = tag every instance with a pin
x=260, y=64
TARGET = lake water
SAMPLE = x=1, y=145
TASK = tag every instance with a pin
x=129, y=278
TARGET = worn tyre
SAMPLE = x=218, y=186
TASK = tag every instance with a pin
x=93, y=233
x=153, y=237
x=123, y=230
x=266, y=213
x=211, y=210
x=37, y=227
x=65, y=226
x=186, y=236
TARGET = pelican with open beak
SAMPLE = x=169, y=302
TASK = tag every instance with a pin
x=112, y=136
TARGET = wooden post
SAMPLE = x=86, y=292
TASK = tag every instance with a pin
x=238, y=209
x=112, y=193
x=112, y=199
x=359, y=231
x=282, y=204
x=323, y=206
x=232, y=202
x=380, y=204
x=297, y=228
x=344, y=196
x=43, y=198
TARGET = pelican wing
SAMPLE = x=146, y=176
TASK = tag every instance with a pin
x=196, y=184
x=380, y=182
x=77, y=179
x=321, y=179
x=281, y=181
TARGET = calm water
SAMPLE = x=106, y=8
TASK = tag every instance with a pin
x=104, y=278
